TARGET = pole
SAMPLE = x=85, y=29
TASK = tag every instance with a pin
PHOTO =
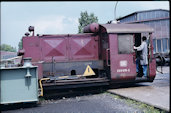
x=115, y=10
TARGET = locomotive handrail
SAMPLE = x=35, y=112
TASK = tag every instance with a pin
x=107, y=60
x=134, y=56
x=41, y=87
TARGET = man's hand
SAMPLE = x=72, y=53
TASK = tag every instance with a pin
x=135, y=47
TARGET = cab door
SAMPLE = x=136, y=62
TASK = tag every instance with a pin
x=122, y=59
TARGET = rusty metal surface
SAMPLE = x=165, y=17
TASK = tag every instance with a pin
x=127, y=28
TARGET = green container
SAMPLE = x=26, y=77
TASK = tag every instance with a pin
x=18, y=84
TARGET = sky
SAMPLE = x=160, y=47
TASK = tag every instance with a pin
x=62, y=17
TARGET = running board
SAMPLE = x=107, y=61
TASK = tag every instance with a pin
x=140, y=79
x=76, y=81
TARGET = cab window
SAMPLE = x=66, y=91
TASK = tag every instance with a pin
x=125, y=43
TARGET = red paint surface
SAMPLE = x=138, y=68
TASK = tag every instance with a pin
x=54, y=48
x=152, y=63
x=93, y=28
x=83, y=48
x=152, y=67
x=115, y=59
x=40, y=70
x=61, y=48
x=31, y=45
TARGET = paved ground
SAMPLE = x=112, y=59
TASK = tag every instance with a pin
x=156, y=94
x=163, y=69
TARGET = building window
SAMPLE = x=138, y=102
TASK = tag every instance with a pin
x=157, y=14
x=159, y=46
x=166, y=14
x=153, y=15
x=169, y=44
x=125, y=44
x=165, y=44
x=140, y=16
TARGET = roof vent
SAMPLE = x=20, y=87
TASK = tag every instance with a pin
x=31, y=29
x=27, y=34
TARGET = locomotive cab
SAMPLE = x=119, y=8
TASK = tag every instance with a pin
x=120, y=55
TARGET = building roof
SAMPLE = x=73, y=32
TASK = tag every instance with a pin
x=142, y=11
x=152, y=10
x=127, y=28
x=13, y=58
x=7, y=54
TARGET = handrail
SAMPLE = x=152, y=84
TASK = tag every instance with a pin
x=40, y=83
x=107, y=60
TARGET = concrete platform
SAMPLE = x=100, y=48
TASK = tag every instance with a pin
x=156, y=94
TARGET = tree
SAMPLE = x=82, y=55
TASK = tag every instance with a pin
x=20, y=44
x=86, y=19
x=6, y=47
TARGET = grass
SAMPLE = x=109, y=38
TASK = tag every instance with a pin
x=41, y=99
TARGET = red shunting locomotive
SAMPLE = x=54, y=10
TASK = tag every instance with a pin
x=103, y=54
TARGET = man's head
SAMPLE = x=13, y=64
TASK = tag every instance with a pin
x=144, y=38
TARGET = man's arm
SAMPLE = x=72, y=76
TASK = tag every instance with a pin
x=140, y=47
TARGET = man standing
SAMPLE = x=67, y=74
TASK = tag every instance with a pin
x=143, y=56
x=138, y=66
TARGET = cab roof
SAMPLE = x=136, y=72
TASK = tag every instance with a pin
x=127, y=28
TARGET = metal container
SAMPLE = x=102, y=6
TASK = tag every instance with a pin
x=18, y=84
